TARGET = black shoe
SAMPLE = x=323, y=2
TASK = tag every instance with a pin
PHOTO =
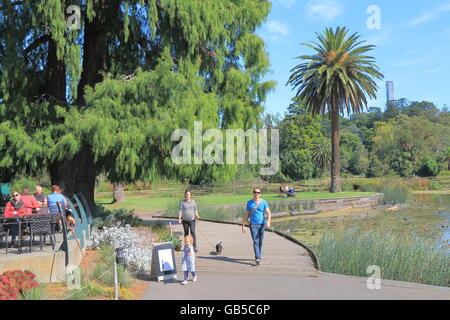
x=195, y=250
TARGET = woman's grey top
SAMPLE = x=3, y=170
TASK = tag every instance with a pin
x=188, y=210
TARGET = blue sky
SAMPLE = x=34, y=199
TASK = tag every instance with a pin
x=413, y=44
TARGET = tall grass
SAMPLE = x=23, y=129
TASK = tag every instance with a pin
x=400, y=258
x=394, y=194
x=395, y=190
x=37, y=293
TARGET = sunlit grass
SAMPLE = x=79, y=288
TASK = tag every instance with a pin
x=399, y=256
x=146, y=203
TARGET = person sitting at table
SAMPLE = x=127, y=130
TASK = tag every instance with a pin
x=71, y=223
x=14, y=210
x=53, y=200
x=40, y=197
x=30, y=202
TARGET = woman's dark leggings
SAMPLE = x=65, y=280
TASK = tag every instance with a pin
x=190, y=225
x=14, y=227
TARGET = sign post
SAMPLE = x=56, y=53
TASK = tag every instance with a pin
x=163, y=262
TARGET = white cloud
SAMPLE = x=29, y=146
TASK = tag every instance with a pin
x=286, y=3
x=434, y=70
x=381, y=37
x=323, y=9
x=277, y=29
x=416, y=61
x=430, y=15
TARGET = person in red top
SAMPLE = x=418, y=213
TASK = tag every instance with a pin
x=14, y=209
x=29, y=202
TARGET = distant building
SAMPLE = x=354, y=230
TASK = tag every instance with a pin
x=390, y=91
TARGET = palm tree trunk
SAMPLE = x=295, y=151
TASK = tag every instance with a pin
x=335, y=185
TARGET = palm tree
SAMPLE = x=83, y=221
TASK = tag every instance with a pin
x=321, y=154
x=337, y=78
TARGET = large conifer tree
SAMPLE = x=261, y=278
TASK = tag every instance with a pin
x=105, y=97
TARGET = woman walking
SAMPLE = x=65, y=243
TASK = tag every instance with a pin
x=187, y=216
x=255, y=210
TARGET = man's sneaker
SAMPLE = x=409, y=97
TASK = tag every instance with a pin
x=194, y=278
x=258, y=262
x=184, y=282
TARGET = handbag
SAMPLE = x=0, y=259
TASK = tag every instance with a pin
x=254, y=210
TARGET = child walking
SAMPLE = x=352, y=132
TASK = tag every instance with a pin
x=188, y=260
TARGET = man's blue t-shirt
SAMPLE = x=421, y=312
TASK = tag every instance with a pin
x=53, y=199
x=258, y=216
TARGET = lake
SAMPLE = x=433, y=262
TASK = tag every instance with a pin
x=425, y=215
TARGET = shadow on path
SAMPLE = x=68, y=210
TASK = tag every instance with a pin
x=227, y=259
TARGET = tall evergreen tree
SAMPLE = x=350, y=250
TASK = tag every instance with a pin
x=105, y=97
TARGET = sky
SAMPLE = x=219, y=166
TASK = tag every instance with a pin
x=412, y=39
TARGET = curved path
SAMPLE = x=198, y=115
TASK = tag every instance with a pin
x=286, y=273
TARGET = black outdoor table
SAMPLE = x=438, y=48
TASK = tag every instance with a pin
x=22, y=220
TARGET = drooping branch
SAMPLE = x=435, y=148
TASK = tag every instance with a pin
x=37, y=43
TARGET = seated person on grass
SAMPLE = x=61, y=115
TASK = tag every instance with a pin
x=291, y=193
x=283, y=189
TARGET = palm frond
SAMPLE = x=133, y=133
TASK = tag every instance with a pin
x=338, y=75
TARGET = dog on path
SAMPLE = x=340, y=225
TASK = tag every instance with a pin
x=219, y=248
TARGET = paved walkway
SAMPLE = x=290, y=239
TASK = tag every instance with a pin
x=286, y=273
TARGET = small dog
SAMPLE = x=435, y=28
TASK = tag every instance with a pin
x=219, y=248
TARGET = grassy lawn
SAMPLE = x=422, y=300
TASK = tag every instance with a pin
x=145, y=203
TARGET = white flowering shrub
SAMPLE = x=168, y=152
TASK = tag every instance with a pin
x=136, y=244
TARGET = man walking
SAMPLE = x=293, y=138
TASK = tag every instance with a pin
x=255, y=210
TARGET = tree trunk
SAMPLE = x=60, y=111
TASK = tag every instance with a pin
x=118, y=193
x=56, y=85
x=76, y=175
x=335, y=185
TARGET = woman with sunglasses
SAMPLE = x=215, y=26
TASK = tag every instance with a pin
x=14, y=210
x=255, y=210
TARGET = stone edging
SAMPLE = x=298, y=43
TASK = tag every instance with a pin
x=317, y=201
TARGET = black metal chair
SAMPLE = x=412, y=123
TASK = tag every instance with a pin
x=40, y=225
x=55, y=221
x=4, y=234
